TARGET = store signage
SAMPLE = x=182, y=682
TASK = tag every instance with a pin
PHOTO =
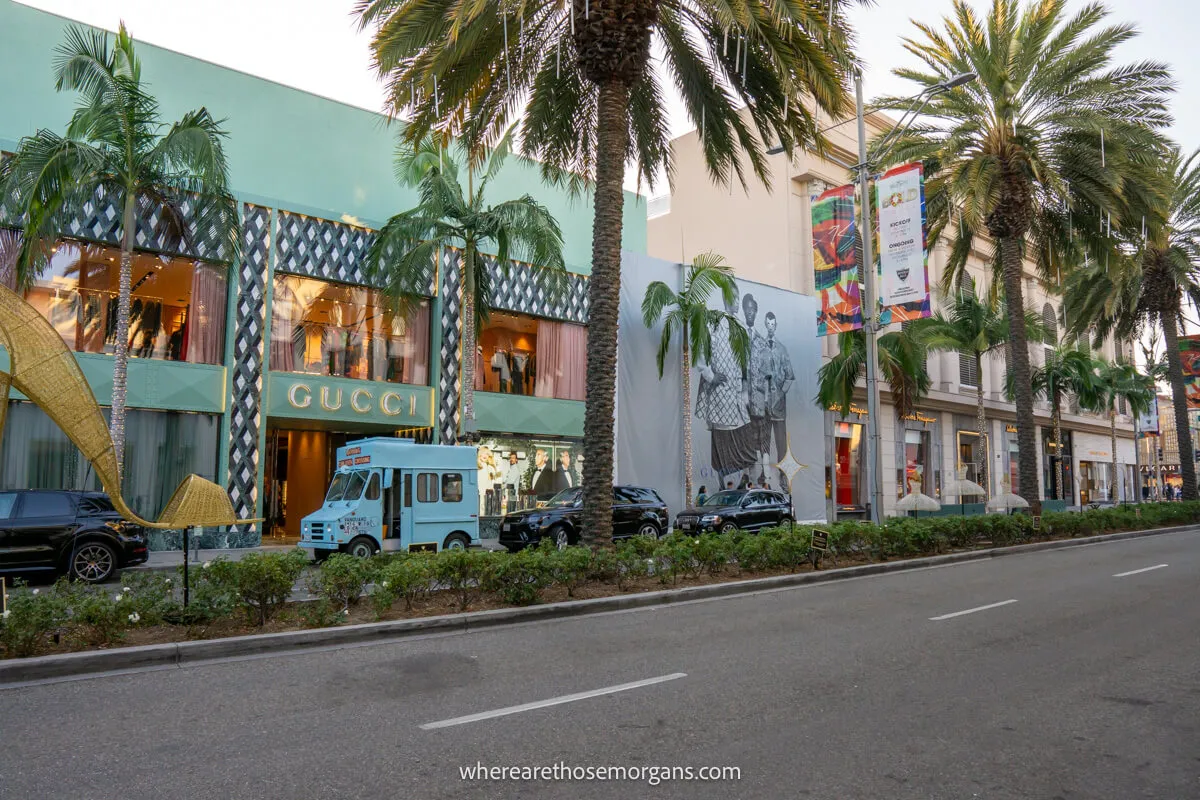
x=859, y=410
x=1010, y=428
x=900, y=202
x=820, y=540
x=349, y=400
x=917, y=416
x=354, y=462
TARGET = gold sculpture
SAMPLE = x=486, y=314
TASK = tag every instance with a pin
x=44, y=370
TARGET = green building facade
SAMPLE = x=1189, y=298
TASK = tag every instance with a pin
x=251, y=373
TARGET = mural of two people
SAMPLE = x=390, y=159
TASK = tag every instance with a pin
x=746, y=410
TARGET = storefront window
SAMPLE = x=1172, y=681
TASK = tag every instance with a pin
x=968, y=453
x=1014, y=463
x=916, y=462
x=177, y=305
x=518, y=472
x=325, y=328
x=1049, y=466
x=161, y=449
x=847, y=447
x=1093, y=481
x=519, y=354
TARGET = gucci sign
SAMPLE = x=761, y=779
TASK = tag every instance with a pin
x=361, y=401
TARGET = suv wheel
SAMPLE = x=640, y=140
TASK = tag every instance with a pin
x=649, y=530
x=560, y=537
x=93, y=562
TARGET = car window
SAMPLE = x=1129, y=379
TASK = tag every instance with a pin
x=373, y=487
x=97, y=505
x=565, y=499
x=7, y=501
x=780, y=499
x=648, y=496
x=623, y=496
x=427, y=487
x=730, y=497
x=758, y=500
x=38, y=505
x=452, y=488
x=355, y=485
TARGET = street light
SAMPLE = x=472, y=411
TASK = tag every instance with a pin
x=870, y=324
x=863, y=167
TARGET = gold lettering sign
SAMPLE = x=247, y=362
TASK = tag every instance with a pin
x=360, y=394
x=1010, y=428
x=388, y=409
x=917, y=417
x=325, y=403
x=859, y=410
x=294, y=396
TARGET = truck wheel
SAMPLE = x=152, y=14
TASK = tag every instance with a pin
x=456, y=541
x=362, y=547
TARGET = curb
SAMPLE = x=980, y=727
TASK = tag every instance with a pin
x=20, y=670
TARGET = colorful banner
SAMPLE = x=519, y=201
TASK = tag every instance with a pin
x=903, y=260
x=1147, y=423
x=1189, y=354
x=836, y=263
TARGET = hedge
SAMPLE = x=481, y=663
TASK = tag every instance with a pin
x=260, y=584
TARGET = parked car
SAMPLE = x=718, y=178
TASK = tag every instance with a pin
x=637, y=511
x=63, y=531
x=729, y=510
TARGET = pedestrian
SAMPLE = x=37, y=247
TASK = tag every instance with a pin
x=728, y=484
x=702, y=495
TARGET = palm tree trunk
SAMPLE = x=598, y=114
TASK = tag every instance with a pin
x=686, y=367
x=1059, y=491
x=604, y=294
x=1010, y=251
x=981, y=459
x=467, y=354
x=1183, y=432
x=116, y=424
x=1113, y=493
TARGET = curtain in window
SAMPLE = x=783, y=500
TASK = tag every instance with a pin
x=162, y=448
x=416, y=364
x=283, y=346
x=206, y=316
x=561, y=360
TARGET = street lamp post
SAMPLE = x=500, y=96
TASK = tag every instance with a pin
x=870, y=323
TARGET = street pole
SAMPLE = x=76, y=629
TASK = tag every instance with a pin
x=874, y=466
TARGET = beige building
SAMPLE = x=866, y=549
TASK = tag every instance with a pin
x=766, y=233
x=1159, y=454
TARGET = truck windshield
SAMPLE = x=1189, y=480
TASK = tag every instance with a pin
x=338, y=487
x=358, y=479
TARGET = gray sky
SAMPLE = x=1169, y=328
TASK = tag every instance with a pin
x=313, y=44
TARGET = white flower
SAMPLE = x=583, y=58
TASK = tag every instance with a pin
x=135, y=617
x=7, y=613
x=118, y=598
x=168, y=581
x=346, y=612
x=383, y=585
x=205, y=565
x=695, y=541
x=35, y=591
x=126, y=589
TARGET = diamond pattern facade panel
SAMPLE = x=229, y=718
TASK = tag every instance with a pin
x=320, y=248
x=98, y=219
x=450, y=385
x=524, y=289
x=249, y=324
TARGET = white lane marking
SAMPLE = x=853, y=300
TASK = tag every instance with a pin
x=1137, y=571
x=553, y=701
x=972, y=610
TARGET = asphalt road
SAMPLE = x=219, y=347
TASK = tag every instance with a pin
x=1086, y=687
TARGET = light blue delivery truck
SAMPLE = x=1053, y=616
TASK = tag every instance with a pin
x=393, y=494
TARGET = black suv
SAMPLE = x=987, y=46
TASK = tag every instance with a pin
x=63, y=531
x=732, y=509
x=636, y=512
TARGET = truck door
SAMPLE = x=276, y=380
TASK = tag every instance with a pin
x=403, y=484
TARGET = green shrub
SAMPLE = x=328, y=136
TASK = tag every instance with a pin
x=29, y=619
x=261, y=582
x=603, y=566
x=789, y=548
x=461, y=571
x=630, y=563
x=150, y=595
x=713, y=552
x=570, y=567
x=322, y=613
x=342, y=579
x=520, y=578
x=752, y=553
x=406, y=575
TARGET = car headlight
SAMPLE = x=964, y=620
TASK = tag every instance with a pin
x=537, y=521
x=711, y=519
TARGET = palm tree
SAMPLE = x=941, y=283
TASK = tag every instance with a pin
x=403, y=255
x=1148, y=286
x=689, y=317
x=117, y=142
x=973, y=328
x=1048, y=142
x=1121, y=381
x=1069, y=370
x=580, y=75
x=901, y=363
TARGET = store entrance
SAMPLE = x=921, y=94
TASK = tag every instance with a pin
x=299, y=464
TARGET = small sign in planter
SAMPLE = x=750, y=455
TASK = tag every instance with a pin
x=1037, y=523
x=820, y=545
